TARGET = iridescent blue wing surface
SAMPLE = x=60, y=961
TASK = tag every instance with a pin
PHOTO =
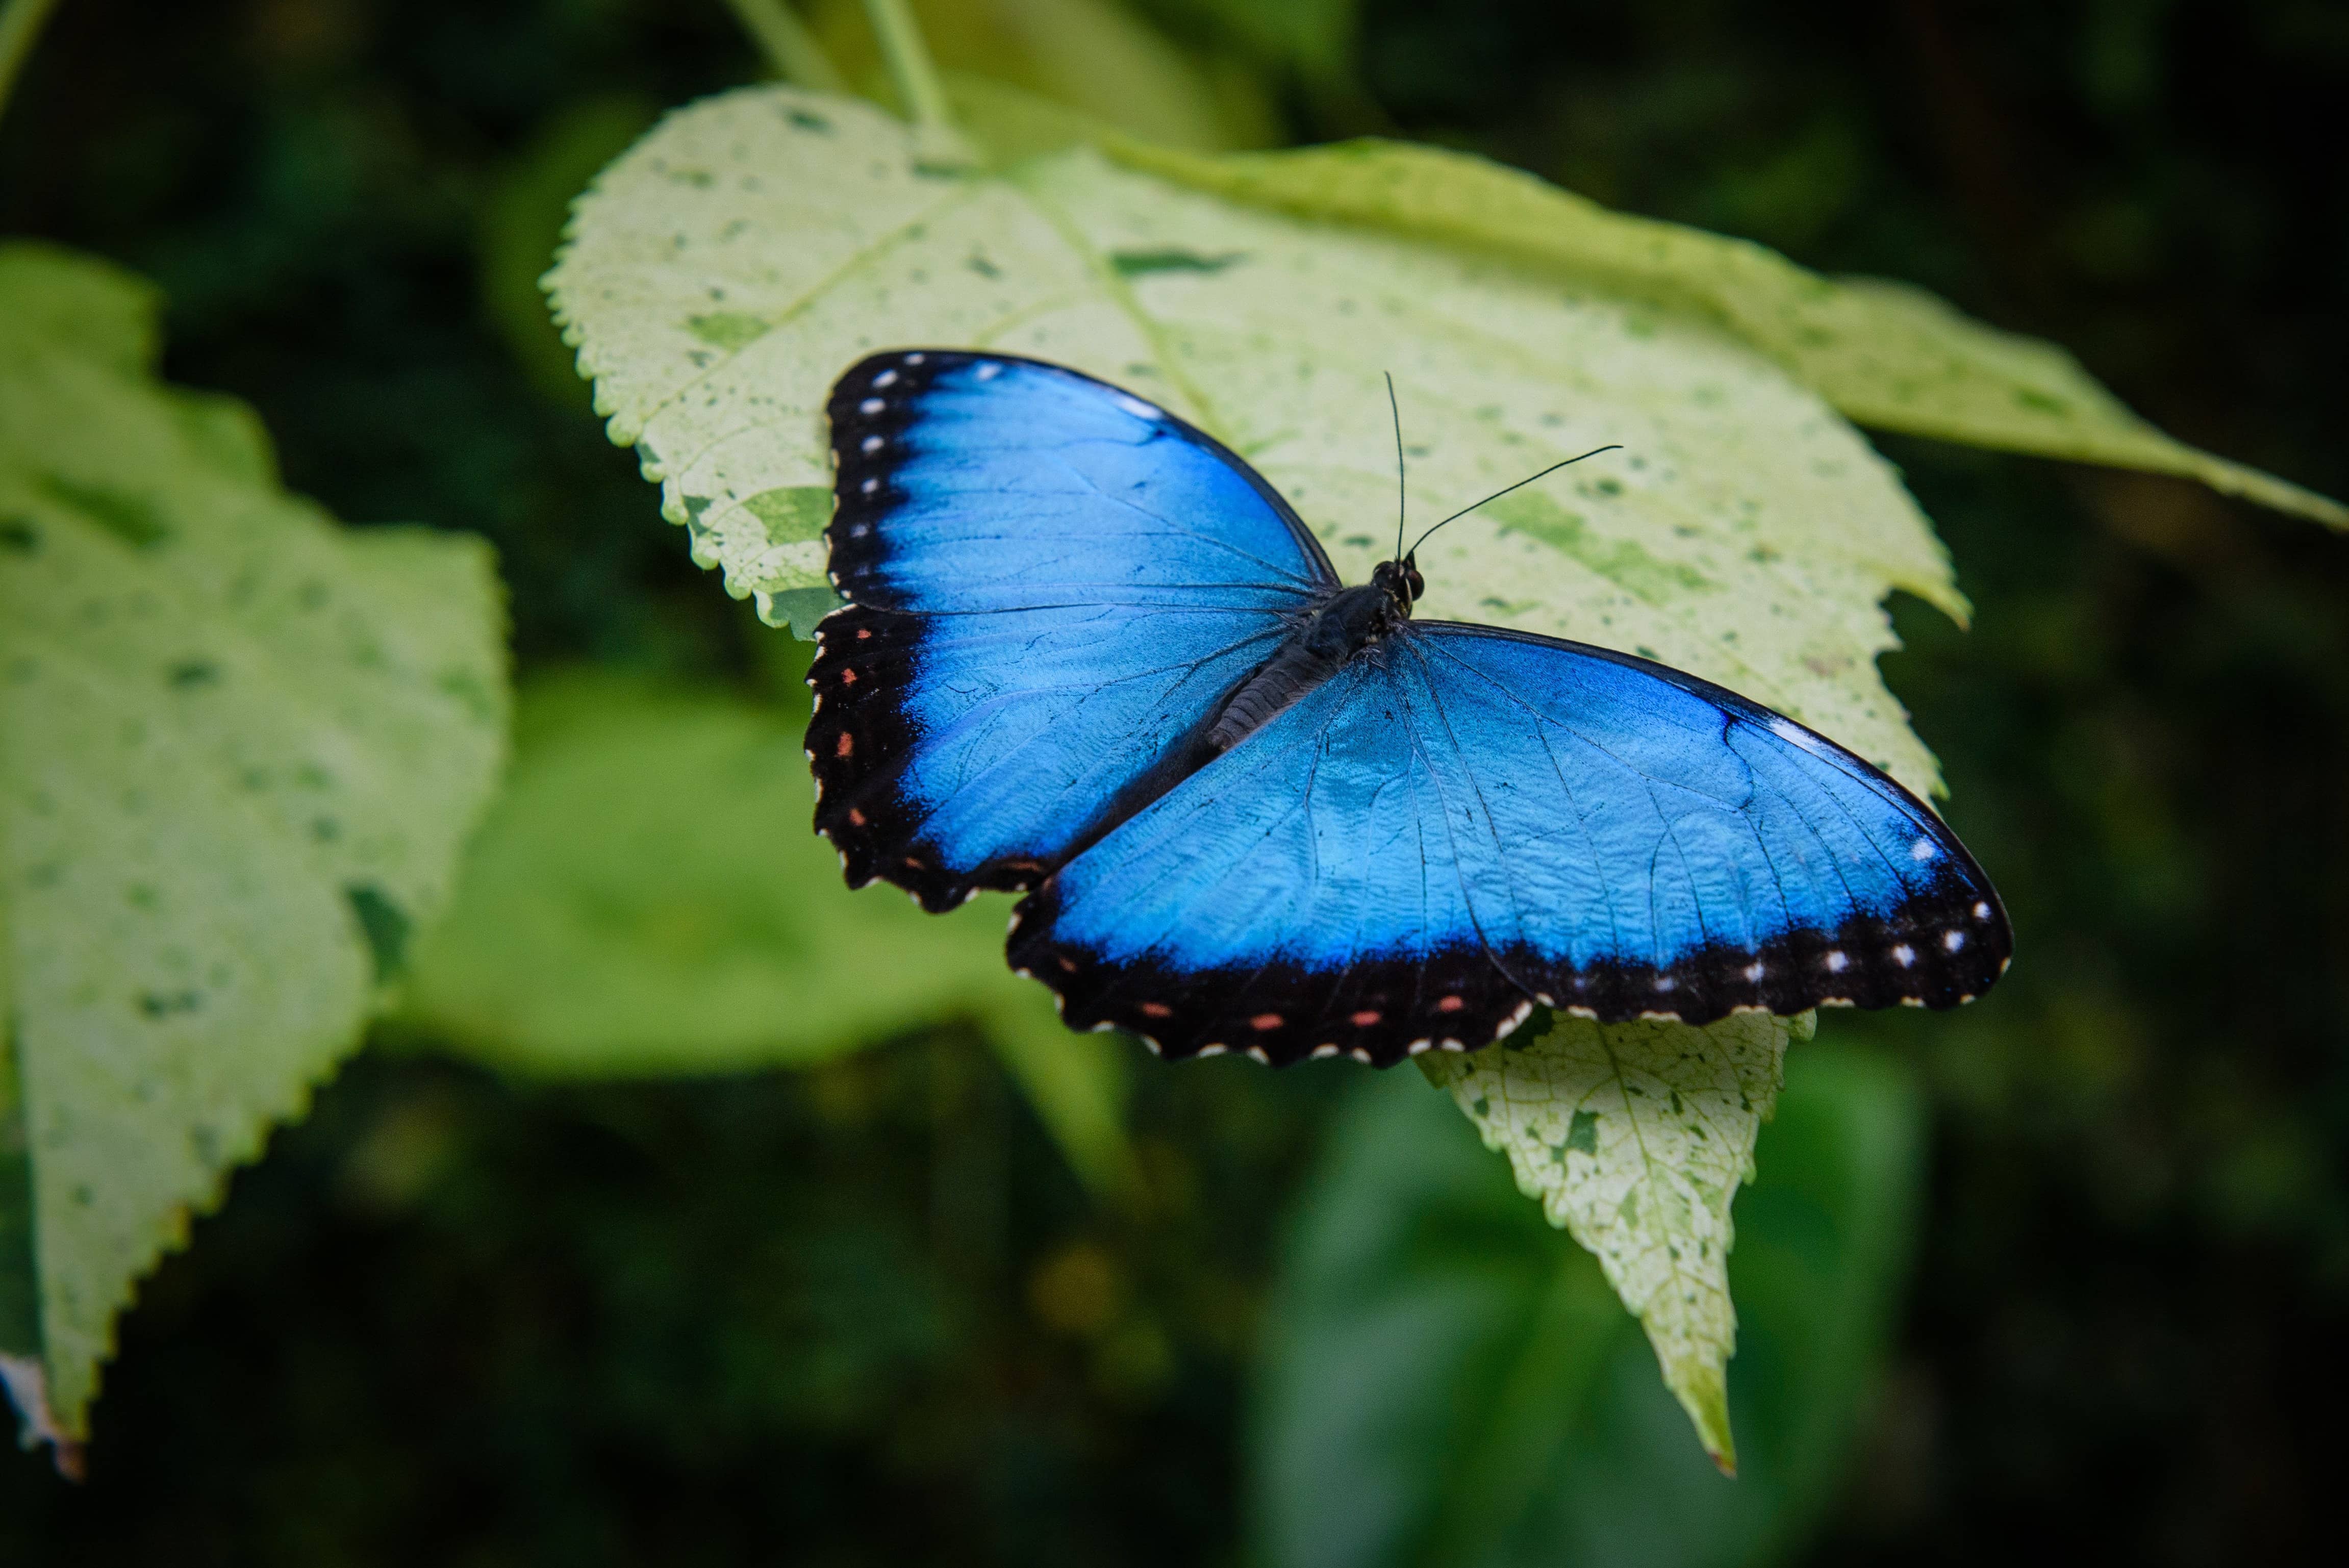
x=1051, y=584
x=1464, y=821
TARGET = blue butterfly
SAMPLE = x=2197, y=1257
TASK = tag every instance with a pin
x=1089, y=655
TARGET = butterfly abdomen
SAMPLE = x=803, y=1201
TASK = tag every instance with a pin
x=1339, y=628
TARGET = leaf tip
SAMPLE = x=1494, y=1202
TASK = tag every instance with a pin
x=1703, y=1388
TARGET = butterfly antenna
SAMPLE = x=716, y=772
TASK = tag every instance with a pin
x=1402, y=497
x=1505, y=489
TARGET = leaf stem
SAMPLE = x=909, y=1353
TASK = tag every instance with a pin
x=938, y=143
x=789, y=47
x=20, y=26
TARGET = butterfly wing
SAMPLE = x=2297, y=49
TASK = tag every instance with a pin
x=1051, y=584
x=1466, y=821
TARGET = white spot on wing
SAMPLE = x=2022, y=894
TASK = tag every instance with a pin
x=990, y=371
x=1904, y=956
x=1837, y=963
x=1953, y=940
x=1137, y=407
x=1922, y=850
x=886, y=378
x=871, y=443
x=871, y=405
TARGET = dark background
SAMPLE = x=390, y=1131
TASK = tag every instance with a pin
x=766, y=1318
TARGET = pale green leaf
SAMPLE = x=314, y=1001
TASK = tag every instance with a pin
x=1885, y=353
x=647, y=897
x=728, y=268
x=1633, y=1138
x=239, y=746
x=1447, y=1380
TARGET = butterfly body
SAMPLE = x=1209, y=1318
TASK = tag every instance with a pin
x=1091, y=658
x=1341, y=628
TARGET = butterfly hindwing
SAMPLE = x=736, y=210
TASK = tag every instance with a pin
x=1672, y=848
x=1300, y=894
x=1464, y=821
x=1053, y=583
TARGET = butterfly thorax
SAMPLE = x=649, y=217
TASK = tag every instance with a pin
x=1335, y=631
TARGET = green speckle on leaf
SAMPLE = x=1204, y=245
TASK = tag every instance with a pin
x=793, y=513
x=726, y=329
x=164, y=1003
x=383, y=923
x=133, y=519
x=1142, y=263
x=1583, y=1136
x=1621, y=562
x=799, y=609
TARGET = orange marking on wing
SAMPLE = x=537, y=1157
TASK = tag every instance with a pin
x=1156, y=1010
x=1264, y=1021
x=1450, y=1004
x=1366, y=1017
x=845, y=746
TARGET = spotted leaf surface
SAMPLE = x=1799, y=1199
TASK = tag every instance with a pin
x=722, y=274
x=239, y=747
x=1634, y=1138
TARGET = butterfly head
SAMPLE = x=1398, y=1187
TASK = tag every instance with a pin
x=1402, y=581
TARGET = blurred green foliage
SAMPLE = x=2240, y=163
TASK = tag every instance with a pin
x=865, y=1313
x=630, y=909
x=1448, y=1380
